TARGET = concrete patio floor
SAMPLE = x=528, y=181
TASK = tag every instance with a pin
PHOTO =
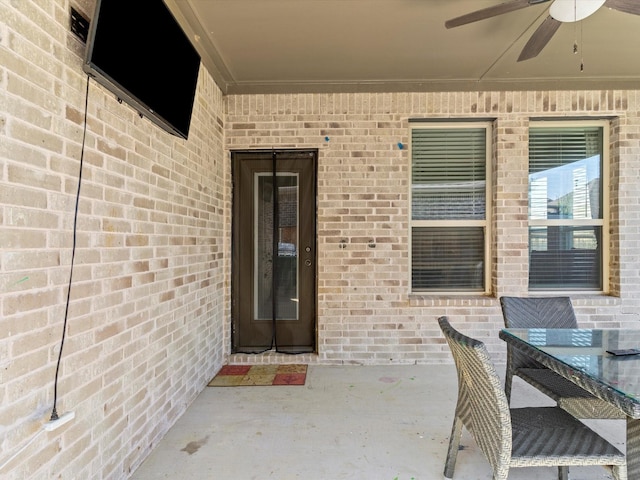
x=346, y=422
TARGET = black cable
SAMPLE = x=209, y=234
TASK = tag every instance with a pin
x=54, y=413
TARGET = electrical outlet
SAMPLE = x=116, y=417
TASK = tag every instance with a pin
x=52, y=425
x=79, y=25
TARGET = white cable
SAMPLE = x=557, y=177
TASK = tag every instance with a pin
x=10, y=459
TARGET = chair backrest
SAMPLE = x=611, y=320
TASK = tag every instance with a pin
x=538, y=312
x=534, y=312
x=482, y=404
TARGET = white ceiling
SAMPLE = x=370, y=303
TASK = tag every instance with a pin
x=278, y=46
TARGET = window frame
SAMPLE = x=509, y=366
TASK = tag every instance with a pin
x=485, y=224
x=603, y=223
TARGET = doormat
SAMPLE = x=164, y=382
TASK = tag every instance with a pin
x=259, y=375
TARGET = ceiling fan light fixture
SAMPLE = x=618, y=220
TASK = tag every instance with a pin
x=574, y=10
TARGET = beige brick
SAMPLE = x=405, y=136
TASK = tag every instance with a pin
x=22, y=364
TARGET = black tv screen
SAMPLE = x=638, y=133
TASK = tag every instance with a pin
x=137, y=50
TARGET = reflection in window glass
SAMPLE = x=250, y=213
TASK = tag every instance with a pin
x=566, y=207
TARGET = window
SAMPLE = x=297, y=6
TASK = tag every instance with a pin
x=568, y=233
x=449, y=204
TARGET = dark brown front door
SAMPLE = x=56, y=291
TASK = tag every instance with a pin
x=274, y=251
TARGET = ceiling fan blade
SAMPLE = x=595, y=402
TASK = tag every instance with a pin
x=491, y=12
x=626, y=6
x=540, y=38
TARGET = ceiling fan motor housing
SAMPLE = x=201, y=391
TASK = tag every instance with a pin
x=574, y=10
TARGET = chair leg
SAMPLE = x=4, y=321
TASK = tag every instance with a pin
x=563, y=473
x=454, y=445
x=508, y=378
x=508, y=381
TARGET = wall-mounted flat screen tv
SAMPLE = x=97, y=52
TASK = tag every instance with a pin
x=138, y=51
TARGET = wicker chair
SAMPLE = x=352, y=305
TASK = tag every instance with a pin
x=520, y=437
x=548, y=312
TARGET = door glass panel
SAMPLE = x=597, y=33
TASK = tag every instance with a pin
x=276, y=257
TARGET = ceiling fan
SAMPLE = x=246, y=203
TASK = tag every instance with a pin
x=560, y=11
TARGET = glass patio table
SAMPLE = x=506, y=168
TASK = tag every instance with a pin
x=580, y=355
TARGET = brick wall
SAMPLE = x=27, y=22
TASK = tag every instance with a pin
x=149, y=297
x=366, y=313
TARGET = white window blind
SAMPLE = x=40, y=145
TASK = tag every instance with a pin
x=448, y=174
x=449, y=208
